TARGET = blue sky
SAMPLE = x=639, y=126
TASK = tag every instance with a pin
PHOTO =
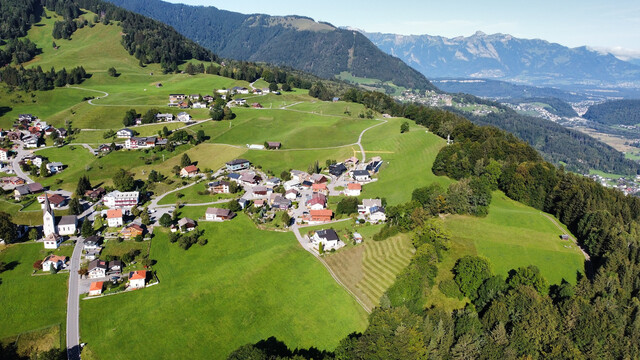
x=613, y=24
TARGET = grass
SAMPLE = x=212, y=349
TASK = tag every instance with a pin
x=243, y=286
x=606, y=175
x=191, y=195
x=369, y=269
x=280, y=160
x=36, y=341
x=30, y=302
x=114, y=248
x=408, y=160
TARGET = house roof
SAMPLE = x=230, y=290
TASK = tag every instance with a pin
x=56, y=199
x=190, y=168
x=354, y=186
x=93, y=239
x=114, y=214
x=317, y=187
x=372, y=203
x=237, y=162
x=96, y=285
x=233, y=176
x=328, y=234
x=218, y=212
x=52, y=237
x=318, y=177
x=56, y=258
x=292, y=191
x=97, y=263
x=219, y=183
x=186, y=221
x=68, y=220
x=35, y=187
x=22, y=189
x=135, y=227
x=137, y=275
x=114, y=263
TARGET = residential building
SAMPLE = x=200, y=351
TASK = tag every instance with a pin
x=318, y=179
x=20, y=191
x=273, y=145
x=183, y=116
x=322, y=215
x=189, y=171
x=132, y=230
x=220, y=187
x=4, y=155
x=141, y=142
x=357, y=238
x=92, y=243
x=137, y=279
x=115, y=266
x=177, y=97
x=361, y=175
x=55, y=200
x=114, y=218
x=164, y=117
x=377, y=215
x=218, y=214
x=199, y=105
x=125, y=133
x=95, y=194
x=328, y=238
x=239, y=90
x=249, y=178
x=30, y=141
x=56, y=262
x=121, y=200
x=337, y=169
x=319, y=188
x=274, y=181
x=367, y=204
x=238, y=164
x=98, y=269
x=55, y=167
x=317, y=202
x=352, y=161
x=96, y=288
x=299, y=176
x=184, y=224
x=279, y=202
x=194, y=97
x=291, y=194
x=353, y=189
x=52, y=241
x=260, y=191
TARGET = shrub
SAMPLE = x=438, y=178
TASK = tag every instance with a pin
x=450, y=289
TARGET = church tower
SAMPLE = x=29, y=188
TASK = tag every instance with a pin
x=48, y=218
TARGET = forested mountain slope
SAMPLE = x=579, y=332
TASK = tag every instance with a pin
x=618, y=112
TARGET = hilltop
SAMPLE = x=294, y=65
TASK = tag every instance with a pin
x=299, y=42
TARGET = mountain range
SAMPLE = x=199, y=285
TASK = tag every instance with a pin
x=295, y=41
x=505, y=57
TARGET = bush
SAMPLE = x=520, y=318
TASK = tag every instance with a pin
x=386, y=232
x=450, y=289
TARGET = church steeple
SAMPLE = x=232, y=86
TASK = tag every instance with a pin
x=48, y=217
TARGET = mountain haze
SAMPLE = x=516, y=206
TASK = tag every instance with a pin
x=295, y=41
x=504, y=57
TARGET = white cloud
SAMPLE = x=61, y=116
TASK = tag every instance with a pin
x=619, y=52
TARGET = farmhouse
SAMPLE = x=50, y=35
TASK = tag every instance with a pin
x=219, y=187
x=132, y=230
x=217, y=214
x=96, y=288
x=120, y=200
x=353, y=189
x=137, y=279
x=26, y=189
x=328, y=238
x=361, y=175
x=189, y=171
x=238, y=164
x=114, y=218
x=125, y=133
x=56, y=262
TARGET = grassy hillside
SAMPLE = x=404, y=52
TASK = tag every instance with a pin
x=243, y=286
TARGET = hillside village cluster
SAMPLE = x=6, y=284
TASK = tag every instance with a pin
x=303, y=196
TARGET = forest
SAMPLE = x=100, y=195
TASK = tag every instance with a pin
x=519, y=316
x=617, y=112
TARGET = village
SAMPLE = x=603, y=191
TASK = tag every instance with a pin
x=296, y=200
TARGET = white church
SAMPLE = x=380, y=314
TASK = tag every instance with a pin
x=67, y=225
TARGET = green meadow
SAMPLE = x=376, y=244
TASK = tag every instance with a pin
x=243, y=286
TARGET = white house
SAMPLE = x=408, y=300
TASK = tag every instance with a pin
x=55, y=167
x=377, y=215
x=98, y=269
x=367, y=204
x=121, y=200
x=220, y=187
x=114, y=218
x=30, y=141
x=199, y=105
x=361, y=175
x=124, y=134
x=137, y=279
x=95, y=288
x=183, y=116
x=4, y=155
x=56, y=261
x=217, y=214
x=164, y=117
x=68, y=225
x=328, y=238
x=140, y=142
x=353, y=189
x=52, y=241
x=291, y=194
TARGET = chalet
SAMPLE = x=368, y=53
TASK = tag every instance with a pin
x=176, y=97
x=328, y=238
x=317, y=202
x=55, y=167
x=104, y=148
x=239, y=90
x=50, y=130
x=36, y=160
x=62, y=132
x=183, y=116
x=31, y=141
x=164, y=117
x=189, y=171
x=52, y=241
x=207, y=98
x=95, y=194
x=249, y=178
x=257, y=91
x=4, y=155
x=238, y=164
x=337, y=169
x=361, y=175
x=291, y=194
x=32, y=188
x=96, y=288
x=132, y=230
x=137, y=279
x=115, y=266
x=98, y=269
x=219, y=187
x=183, y=105
x=238, y=102
x=124, y=133
x=319, y=188
x=318, y=178
x=260, y=191
x=121, y=200
x=68, y=225
x=14, y=135
x=20, y=191
x=273, y=145
x=12, y=181
x=217, y=214
x=56, y=262
x=114, y=218
x=368, y=204
x=353, y=189
x=184, y=224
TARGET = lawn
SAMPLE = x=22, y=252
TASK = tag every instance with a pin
x=243, y=286
x=191, y=195
x=515, y=235
x=279, y=160
x=30, y=302
x=407, y=157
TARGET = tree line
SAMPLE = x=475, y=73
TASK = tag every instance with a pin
x=36, y=79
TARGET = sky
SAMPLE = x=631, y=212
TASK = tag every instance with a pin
x=613, y=25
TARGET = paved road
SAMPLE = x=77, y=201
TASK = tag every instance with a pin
x=21, y=152
x=73, y=305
